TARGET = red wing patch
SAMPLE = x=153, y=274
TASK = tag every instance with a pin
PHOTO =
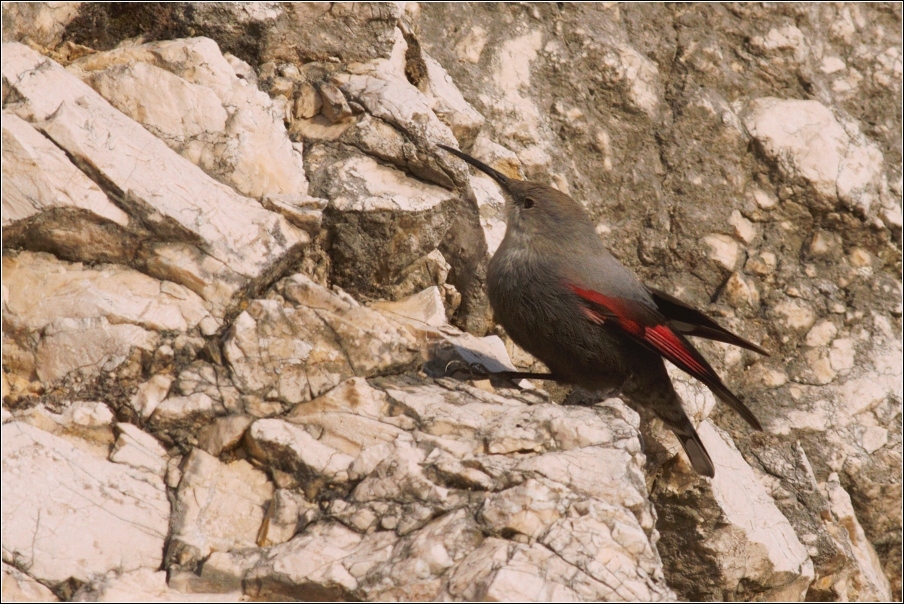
x=657, y=335
x=672, y=348
x=616, y=306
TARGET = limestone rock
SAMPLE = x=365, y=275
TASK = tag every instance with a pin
x=382, y=88
x=43, y=529
x=870, y=581
x=19, y=587
x=39, y=23
x=187, y=94
x=743, y=157
x=223, y=434
x=809, y=143
x=144, y=584
x=295, y=350
x=381, y=221
x=425, y=307
x=87, y=425
x=740, y=538
x=79, y=292
x=293, y=450
x=75, y=318
x=624, y=67
x=150, y=394
x=302, y=211
x=50, y=204
x=162, y=189
x=218, y=507
x=184, y=416
x=139, y=449
x=528, y=462
x=450, y=106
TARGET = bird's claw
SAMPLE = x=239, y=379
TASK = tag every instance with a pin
x=474, y=370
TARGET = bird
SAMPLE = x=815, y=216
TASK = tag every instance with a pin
x=564, y=298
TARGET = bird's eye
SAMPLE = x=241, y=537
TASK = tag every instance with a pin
x=528, y=203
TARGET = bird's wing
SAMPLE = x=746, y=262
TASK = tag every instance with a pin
x=691, y=322
x=652, y=329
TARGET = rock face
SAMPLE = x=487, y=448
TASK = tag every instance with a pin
x=44, y=531
x=244, y=300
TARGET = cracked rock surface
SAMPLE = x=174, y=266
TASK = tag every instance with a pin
x=245, y=321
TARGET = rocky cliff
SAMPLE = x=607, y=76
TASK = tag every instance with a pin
x=242, y=288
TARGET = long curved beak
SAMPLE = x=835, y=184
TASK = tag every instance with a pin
x=502, y=179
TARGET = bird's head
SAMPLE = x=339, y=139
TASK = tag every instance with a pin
x=534, y=208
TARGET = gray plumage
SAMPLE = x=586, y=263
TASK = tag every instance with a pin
x=565, y=299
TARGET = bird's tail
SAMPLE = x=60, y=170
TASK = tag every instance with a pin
x=694, y=448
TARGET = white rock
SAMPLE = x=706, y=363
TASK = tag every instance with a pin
x=223, y=572
x=831, y=65
x=150, y=394
x=54, y=495
x=744, y=229
x=770, y=377
x=529, y=509
x=860, y=257
x=473, y=438
x=610, y=546
x=515, y=114
x=783, y=38
x=425, y=307
x=290, y=512
x=741, y=292
x=763, y=264
x=842, y=354
x=237, y=240
x=138, y=449
x=144, y=585
x=382, y=88
x=190, y=412
x=825, y=244
x=311, y=564
x=471, y=46
x=625, y=66
x=219, y=507
x=820, y=367
x=85, y=424
x=874, y=438
x=172, y=109
x=764, y=200
x=297, y=353
x=228, y=128
x=224, y=433
x=821, y=334
x=757, y=541
x=38, y=177
x=352, y=418
x=873, y=582
x=360, y=184
x=41, y=23
x=796, y=314
x=44, y=289
x=19, y=587
x=724, y=250
x=292, y=449
x=89, y=319
x=809, y=143
x=301, y=210
x=87, y=346
x=449, y=105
